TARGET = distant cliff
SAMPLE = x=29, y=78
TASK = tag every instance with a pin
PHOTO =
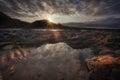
x=7, y=22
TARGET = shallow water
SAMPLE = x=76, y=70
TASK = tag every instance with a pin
x=51, y=54
x=47, y=62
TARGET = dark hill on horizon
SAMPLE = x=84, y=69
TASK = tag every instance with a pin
x=8, y=22
x=45, y=24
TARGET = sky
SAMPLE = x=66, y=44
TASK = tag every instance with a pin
x=61, y=11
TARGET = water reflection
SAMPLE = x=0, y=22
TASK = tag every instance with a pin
x=50, y=61
x=56, y=33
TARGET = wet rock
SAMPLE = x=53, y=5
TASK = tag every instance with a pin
x=105, y=67
x=8, y=47
x=106, y=72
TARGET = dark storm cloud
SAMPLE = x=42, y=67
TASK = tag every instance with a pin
x=38, y=7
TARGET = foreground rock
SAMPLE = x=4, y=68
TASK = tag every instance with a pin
x=105, y=67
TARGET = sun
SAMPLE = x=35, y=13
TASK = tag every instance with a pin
x=50, y=19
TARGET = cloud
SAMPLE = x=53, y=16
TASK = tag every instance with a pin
x=52, y=62
x=33, y=8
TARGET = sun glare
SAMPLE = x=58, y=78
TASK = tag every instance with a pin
x=50, y=19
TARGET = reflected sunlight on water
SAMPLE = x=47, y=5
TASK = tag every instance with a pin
x=56, y=33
